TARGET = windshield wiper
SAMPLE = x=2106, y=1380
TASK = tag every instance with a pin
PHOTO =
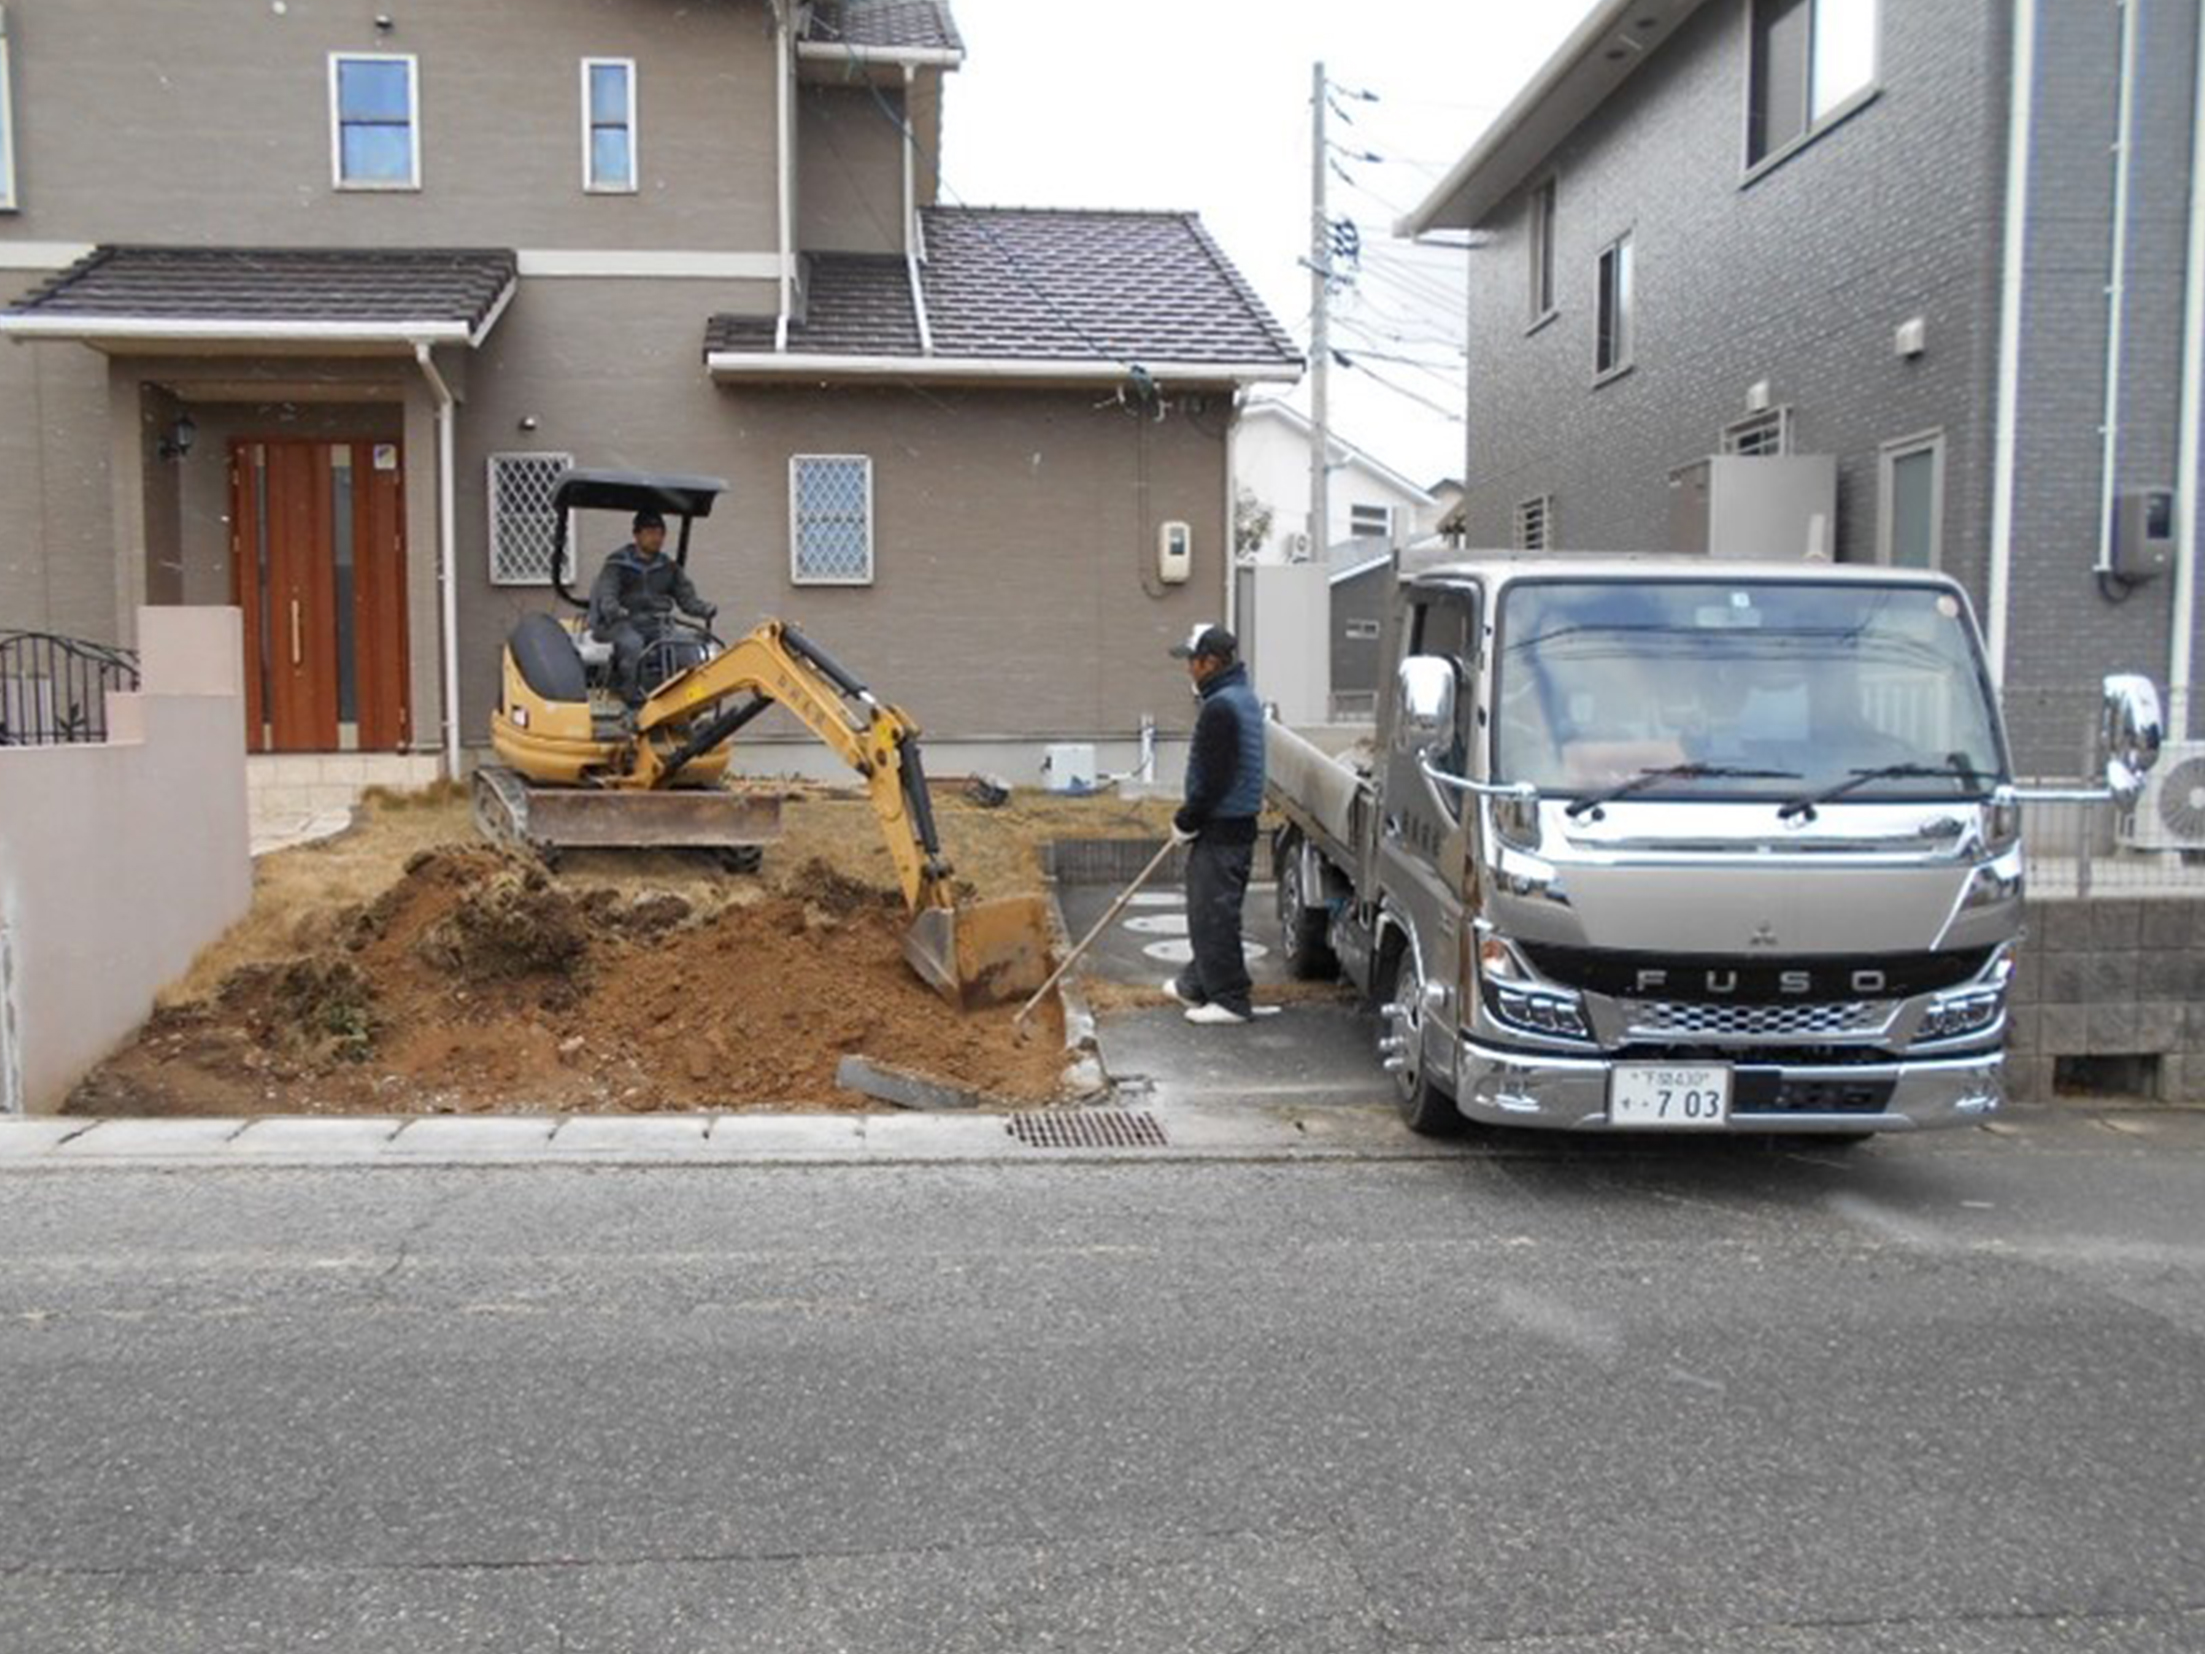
x=1674, y=772
x=1959, y=769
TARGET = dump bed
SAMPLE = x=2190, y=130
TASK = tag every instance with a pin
x=1325, y=793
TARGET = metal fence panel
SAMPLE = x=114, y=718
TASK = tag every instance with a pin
x=53, y=690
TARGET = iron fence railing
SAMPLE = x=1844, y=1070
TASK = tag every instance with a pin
x=2154, y=847
x=53, y=689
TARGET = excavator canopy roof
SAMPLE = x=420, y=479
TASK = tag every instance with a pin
x=636, y=491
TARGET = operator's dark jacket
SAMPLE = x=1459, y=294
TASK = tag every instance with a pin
x=643, y=589
x=1225, y=763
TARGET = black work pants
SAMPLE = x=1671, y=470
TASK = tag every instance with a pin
x=1217, y=884
x=629, y=638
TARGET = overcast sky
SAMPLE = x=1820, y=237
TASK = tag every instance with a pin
x=1204, y=105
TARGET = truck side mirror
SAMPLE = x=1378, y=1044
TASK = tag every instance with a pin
x=1425, y=703
x=2133, y=730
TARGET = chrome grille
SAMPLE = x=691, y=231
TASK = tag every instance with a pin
x=1682, y=1019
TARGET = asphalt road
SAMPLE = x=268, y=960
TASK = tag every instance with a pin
x=1940, y=1394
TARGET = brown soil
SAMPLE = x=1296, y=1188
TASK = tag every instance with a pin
x=403, y=967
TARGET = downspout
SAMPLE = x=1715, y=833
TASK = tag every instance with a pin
x=2179, y=666
x=913, y=245
x=2005, y=469
x=2117, y=294
x=446, y=536
x=786, y=71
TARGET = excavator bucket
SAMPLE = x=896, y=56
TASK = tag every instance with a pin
x=985, y=953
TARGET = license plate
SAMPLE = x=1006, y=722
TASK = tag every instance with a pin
x=1650, y=1094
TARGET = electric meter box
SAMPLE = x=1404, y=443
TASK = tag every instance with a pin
x=1174, y=553
x=2143, y=533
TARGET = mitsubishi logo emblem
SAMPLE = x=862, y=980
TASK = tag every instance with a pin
x=1764, y=937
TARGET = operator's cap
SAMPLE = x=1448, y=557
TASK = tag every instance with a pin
x=647, y=518
x=1207, y=642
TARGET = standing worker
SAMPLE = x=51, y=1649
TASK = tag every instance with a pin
x=636, y=591
x=1217, y=823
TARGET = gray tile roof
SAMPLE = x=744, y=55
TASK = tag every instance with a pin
x=923, y=24
x=266, y=284
x=1023, y=284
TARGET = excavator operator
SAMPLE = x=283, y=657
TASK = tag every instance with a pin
x=634, y=597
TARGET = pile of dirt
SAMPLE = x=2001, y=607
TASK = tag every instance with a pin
x=405, y=968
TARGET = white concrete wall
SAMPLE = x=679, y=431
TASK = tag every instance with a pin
x=119, y=862
x=1271, y=461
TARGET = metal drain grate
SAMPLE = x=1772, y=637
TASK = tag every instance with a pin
x=1102, y=1128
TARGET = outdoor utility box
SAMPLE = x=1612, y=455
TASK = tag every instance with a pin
x=1069, y=767
x=1755, y=508
x=1174, y=553
x=2143, y=533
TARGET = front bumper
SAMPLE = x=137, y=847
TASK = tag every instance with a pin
x=1498, y=1086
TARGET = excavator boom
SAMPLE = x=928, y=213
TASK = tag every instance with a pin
x=977, y=953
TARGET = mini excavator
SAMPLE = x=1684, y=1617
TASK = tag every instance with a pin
x=578, y=769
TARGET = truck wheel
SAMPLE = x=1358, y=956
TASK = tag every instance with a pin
x=1301, y=927
x=1425, y=1109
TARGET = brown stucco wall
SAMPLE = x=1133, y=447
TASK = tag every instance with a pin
x=57, y=569
x=849, y=171
x=216, y=124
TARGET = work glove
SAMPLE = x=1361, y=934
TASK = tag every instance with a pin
x=1182, y=835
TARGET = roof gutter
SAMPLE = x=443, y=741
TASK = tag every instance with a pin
x=446, y=535
x=910, y=57
x=244, y=329
x=736, y=364
x=1601, y=22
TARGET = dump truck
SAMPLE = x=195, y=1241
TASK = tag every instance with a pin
x=578, y=769
x=1659, y=844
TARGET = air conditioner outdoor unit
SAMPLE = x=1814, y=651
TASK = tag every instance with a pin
x=1297, y=546
x=2170, y=812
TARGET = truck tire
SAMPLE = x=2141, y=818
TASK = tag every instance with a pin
x=1302, y=944
x=1425, y=1109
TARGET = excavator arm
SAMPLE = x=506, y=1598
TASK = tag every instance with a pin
x=776, y=665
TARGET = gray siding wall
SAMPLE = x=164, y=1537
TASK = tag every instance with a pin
x=1800, y=275
x=1796, y=277
x=849, y=171
x=2063, y=631
x=160, y=121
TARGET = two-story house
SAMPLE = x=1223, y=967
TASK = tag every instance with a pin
x=1952, y=252
x=316, y=300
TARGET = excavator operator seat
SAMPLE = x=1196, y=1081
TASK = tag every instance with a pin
x=547, y=657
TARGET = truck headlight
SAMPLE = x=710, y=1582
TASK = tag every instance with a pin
x=1968, y=1013
x=1516, y=996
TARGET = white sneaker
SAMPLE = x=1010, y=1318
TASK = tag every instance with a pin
x=1214, y=1014
x=1171, y=987
x=1268, y=1010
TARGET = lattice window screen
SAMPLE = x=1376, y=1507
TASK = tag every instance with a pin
x=1535, y=524
x=522, y=522
x=831, y=519
x=1767, y=432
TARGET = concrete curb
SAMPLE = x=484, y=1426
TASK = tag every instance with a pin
x=1194, y=1133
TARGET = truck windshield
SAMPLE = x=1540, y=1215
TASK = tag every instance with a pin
x=1690, y=688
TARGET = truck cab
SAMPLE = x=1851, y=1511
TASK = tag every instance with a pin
x=1665, y=844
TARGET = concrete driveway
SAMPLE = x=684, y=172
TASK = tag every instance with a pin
x=1316, y=1052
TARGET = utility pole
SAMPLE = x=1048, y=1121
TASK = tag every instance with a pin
x=1320, y=349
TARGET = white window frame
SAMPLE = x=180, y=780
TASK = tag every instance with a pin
x=8, y=202
x=797, y=576
x=1739, y=431
x=1626, y=307
x=1384, y=524
x=495, y=538
x=590, y=184
x=1842, y=109
x=1546, y=199
x=372, y=186
x=1888, y=456
x=1361, y=631
x=1520, y=523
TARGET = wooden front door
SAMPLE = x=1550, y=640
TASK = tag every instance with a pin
x=318, y=553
